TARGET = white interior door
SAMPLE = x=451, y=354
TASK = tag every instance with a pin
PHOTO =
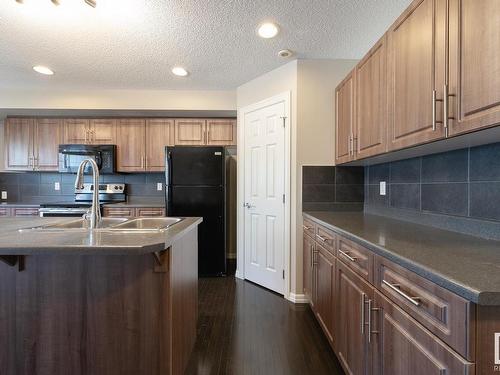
x=264, y=189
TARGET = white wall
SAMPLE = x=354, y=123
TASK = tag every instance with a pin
x=312, y=85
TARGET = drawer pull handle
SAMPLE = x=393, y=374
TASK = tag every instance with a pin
x=322, y=238
x=306, y=227
x=352, y=259
x=395, y=287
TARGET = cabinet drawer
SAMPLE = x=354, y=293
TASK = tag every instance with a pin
x=118, y=212
x=447, y=315
x=25, y=212
x=309, y=227
x=325, y=238
x=4, y=211
x=356, y=257
x=150, y=212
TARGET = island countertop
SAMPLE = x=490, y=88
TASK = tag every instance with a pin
x=71, y=242
x=466, y=265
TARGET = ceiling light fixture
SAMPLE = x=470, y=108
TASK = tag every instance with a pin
x=268, y=30
x=92, y=3
x=43, y=70
x=180, y=71
x=285, y=53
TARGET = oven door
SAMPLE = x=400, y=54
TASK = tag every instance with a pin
x=62, y=212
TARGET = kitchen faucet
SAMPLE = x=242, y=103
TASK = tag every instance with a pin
x=95, y=212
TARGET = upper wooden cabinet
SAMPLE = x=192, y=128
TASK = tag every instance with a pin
x=474, y=84
x=190, y=132
x=345, y=128
x=221, y=132
x=90, y=131
x=159, y=133
x=371, y=101
x=415, y=75
x=131, y=145
x=32, y=144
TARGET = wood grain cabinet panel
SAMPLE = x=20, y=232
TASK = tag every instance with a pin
x=402, y=346
x=416, y=65
x=18, y=211
x=309, y=228
x=19, y=144
x=159, y=133
x=76, y=131
x=345, y=128
x=131, y=144
x=353, y=294
x=474, y=93
x=4, y=211
x=371, y=102
x=221, y=132
x=118, y=212
x=356, y=257
x=102, y=132
x=48, y=135
x=325, y=291
x=308, y=266
x=326, y=239
x=190, y=132
x=149, y=212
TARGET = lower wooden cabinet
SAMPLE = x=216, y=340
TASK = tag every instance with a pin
x=308, y=259
x=128, y=212
x=324, y=271
x=400, y=345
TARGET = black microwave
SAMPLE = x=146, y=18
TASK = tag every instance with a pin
x=70, y=157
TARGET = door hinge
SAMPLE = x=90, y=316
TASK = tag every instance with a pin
x=284, y=121
x=283, y=198
x=283, y=274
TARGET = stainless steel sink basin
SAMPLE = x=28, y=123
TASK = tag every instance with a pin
x=78, y=225
x=147, y=223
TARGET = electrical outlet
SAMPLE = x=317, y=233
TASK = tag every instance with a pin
x=159, y=186
x=382, y=188
x=57, y=186
x=4, y=195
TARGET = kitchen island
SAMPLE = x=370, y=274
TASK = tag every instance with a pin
x=97, y=302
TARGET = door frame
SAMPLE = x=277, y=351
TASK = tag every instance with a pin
x=285, y=98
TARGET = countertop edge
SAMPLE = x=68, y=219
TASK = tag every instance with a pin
x=472, y=295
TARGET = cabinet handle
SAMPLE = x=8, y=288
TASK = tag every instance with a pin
x=151, y=213
x=35, y=163
x=445, y=109
x=362, y=314
x=306, y=227
x=395, y=287
x=311, y=248
x=370, y=309
x=86, y=135
x=145, y=162
x=323, y=239
x=354, y=145
x=352, y=259
x=434, y=115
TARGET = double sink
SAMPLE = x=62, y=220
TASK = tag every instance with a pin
x=120, y=225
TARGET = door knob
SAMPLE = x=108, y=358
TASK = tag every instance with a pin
x=248, y=205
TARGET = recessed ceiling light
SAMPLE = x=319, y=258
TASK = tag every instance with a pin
x=43, y=70
x=180, y=71
x=268, y=30
x=285, y=53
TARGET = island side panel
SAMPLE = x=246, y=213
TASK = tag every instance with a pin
x=184, y=291
x=7, y=319
x=80, y=315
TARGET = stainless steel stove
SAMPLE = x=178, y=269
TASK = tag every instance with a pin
x=108, y=193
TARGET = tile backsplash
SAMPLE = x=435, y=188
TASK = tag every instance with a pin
x=464, y=183
x=37, y=187
x=331, y=188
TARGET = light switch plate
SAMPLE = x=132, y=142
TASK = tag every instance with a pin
x=382, y=188
x=159, y=186
x=57, y=186
x=4, y=195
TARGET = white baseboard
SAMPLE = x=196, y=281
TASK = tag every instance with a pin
x=298, y=298
x=238, y=275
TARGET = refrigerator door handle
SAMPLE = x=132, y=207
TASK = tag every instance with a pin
x=168, y=190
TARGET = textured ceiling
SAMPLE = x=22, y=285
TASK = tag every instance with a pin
x=133, y=44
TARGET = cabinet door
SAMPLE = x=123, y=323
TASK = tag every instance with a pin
x=118, y=212
x=371, y=102
x=416, y=68
x=308, y=251
x=325, y=290
x=76, y=131
x=102, y=132
x=474, y=65
x=221, y=132
x=402, y=346
x=353, y=294
x=130, y=135
x=159, y=133
x=48, y=135
x=344, y=122
x=19, y=144
x=190, y=132
x=149, y=212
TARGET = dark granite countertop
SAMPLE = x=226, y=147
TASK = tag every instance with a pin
x=13, y=242
x=466, y=265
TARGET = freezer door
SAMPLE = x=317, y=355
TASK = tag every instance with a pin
x=195, y=165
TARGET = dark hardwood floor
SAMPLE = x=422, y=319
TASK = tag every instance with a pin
x=245, y=329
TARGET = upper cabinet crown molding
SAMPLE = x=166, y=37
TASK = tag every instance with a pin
x=441, y=79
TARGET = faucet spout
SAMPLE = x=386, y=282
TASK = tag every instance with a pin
x=95, y=212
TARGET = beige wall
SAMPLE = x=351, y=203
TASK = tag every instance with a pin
x=118, y=99
x=312, y=85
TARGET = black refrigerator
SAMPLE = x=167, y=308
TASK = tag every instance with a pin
x=195, y=186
